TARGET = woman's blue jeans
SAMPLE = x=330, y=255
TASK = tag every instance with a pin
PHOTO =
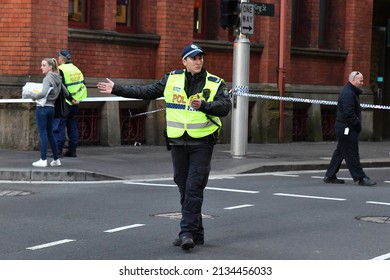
x=45, y=117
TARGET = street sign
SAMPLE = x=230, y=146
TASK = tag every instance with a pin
x=263, y=9
x=246, y=20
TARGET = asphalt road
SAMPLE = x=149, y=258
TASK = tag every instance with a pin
x=268, y=216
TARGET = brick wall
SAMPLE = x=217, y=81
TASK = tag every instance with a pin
x=31, y=32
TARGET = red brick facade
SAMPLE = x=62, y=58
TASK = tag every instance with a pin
x=43, y=30
x=33, y=29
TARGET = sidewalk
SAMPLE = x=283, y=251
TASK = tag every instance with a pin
x=136, y=162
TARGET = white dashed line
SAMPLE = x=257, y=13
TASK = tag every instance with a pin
x=51, y=244
x=238, y=206
x=319, y=177
x=308, y=196
x=379, y=203
x=124, y=228
x=382, y=257
x=285, y=175
x=209, y=188
x=231, y=190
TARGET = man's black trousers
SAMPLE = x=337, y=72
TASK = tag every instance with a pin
x=191, y=164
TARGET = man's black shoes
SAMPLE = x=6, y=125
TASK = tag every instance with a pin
x=187, y=243
x=177, y=242
x=70, y=153
x=367, y=182
x=333, y=180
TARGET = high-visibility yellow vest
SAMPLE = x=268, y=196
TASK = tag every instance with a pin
x=74, y=81
x=180, y=116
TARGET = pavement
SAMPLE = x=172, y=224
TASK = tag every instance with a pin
x=95, y=163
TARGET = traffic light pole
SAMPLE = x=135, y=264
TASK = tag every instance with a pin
x=239, y=126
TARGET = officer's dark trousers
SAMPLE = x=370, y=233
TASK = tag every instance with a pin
x=348, y=149
x=191, y=164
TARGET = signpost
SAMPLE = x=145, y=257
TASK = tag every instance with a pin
x=241, y=61
x=246, y=20
x=263, y=9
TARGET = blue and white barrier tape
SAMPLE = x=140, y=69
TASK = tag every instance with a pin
x=237, y=91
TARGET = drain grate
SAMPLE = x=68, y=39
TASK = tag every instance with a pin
x=375, y=219
x=14, y=193
x=177, y=215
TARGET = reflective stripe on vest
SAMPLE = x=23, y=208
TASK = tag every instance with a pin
x=181, y=116
x=74, y=81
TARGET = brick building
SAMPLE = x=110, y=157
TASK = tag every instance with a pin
x=138, y=41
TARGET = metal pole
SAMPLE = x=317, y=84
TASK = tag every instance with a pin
x=281, y=68
x=239, y=136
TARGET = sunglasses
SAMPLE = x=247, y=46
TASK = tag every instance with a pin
x=357, y=73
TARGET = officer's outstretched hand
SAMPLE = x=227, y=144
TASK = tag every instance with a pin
x=105, y=87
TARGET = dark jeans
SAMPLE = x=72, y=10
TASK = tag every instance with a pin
x=45, y=117
x=191, y=164
x=70, y=123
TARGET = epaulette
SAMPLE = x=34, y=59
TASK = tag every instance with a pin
x=181, y=71
x=214, y=79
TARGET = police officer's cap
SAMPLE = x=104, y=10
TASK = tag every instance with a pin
x=191, y=50
x=65, y=53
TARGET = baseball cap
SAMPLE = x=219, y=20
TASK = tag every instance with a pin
x=191, y=50
x=65, y=53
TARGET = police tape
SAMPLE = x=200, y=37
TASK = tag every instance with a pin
x=145, y=113
x=235, y=91
x=244, y=91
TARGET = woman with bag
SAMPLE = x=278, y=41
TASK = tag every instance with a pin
x=51, y=87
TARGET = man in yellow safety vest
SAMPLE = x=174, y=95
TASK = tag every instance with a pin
x=73, y=79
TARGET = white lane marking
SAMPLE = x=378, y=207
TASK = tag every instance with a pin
x=238, y=206
x=208, y=188
x=55, y=243
x=382, y=257
x=378, y=202
x=319, y=177
x=124, y=228
x=149, y=184
x=221, y=177
x=309, y=196
x=231, y=190
x=63, y=182
x=285, y=175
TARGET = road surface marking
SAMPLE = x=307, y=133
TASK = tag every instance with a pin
x=124, y=228
x=319, y=177
x=308, y=196
x=285, y=175
x=238, y=206
x=209, y=188
x=55, y=243
x=377, y=202
x=382, y=257
x=149, y=184
x=231, y=190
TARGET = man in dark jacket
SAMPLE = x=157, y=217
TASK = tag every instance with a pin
x=347, y=127
x=195, y=101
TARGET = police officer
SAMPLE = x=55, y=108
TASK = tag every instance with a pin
x=195, y=101
x=347, y=127
x=73, y=79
